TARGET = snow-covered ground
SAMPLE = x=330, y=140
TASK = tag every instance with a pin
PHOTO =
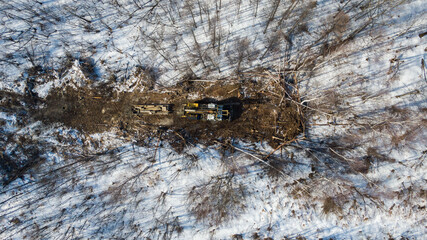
x=359, y=174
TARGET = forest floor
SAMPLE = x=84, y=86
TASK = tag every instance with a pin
x=260, y=112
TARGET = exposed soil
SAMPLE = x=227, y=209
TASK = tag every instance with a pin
x=88, y=110
x=259, y=114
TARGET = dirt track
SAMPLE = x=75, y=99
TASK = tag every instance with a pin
x=261, y=115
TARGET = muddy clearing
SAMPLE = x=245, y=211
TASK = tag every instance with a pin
x=260, y=112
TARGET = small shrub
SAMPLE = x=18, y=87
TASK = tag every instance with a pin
x=303, y=27
x=330, y=206
x=87, y=65
x=217, y=201
x=237, y=237
x=275, y=168
x=374, y=154
x=255, y=236
x=148, y=75
x=341, y=21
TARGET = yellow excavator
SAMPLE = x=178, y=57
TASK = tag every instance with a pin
x=208, y=111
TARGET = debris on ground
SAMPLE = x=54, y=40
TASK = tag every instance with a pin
x=261, y=111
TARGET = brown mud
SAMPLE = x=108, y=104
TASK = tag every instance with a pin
x=260, y=112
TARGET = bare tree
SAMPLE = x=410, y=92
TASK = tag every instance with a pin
x=256, y=3
x=217, y=201
x=272, y=14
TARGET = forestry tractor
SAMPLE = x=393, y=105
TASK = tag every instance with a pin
x=209, y=111
x=191, y=111
x=152, y=109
